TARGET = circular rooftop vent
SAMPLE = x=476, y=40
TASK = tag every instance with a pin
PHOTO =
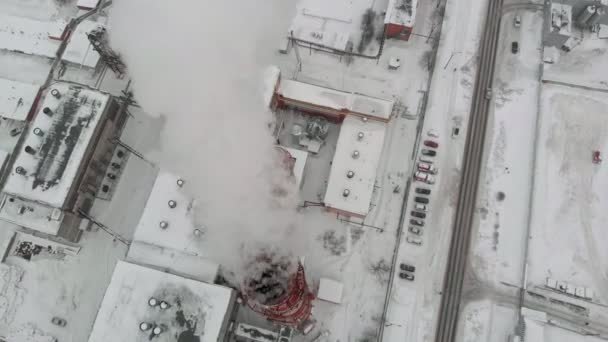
x=38, y=132
x=164, y=224
x=180, y=182
x=346, y=192
x=152, y=301
x=350, y=174
x=143, y=326
x=55, y=93
x=360, y=135
x=355, y=154
x=172, y=204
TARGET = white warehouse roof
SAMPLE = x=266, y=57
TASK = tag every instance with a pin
x=401, y=12
x=79, y=49
x=195, y=308
x=178, y=230
x=16, y=99
x=360, y=185
x=28, y=36
x=336, y=99
x=57, y=151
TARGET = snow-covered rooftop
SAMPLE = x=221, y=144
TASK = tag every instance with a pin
x=28, y=36
x=55, y=145
x=87, y=4
x=300, y=163
x=195, y=309
x=178, y=263
x=164, y=226
x=561, y=18
x=30, y=214
x=16, y=99
x=358, y=151
x=401, y=12
x=79, y=50
x=335, y=99
x=334, y=39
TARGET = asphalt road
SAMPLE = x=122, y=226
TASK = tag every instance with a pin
x=473, y=155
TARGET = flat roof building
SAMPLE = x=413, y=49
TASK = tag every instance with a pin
x=79, y=50
x=166, y=236
x=17, y=99
x=61, y=159
x=132, y=308
x=334, y=104
x=353, y=170
x=400, y=18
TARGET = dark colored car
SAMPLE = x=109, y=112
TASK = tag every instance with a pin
x=431, y=143
x=429, y=153
x=417, y=222
x=515, y=47
x=423, y=191
x=407, y=268
x=422, y=200
x=418, y=214
x=406, y=276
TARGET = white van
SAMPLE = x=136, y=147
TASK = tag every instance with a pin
x=517, y=21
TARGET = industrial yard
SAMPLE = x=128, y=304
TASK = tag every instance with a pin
x=338, y=171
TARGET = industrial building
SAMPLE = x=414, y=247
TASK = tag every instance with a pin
x=333, y=104
x=400, y=18
x=61, y=160
x=353, y=171
x=143, y=304
x=166, y=235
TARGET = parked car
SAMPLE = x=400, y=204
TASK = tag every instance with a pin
x=407, y=267
x=407, y=276
x=424, y=177
x=455, y=132
x=422, y=200
x=420, y=207
x=597, y=157
x=414, y=240
x=423, y=191
x=417, y=222
x=514, y=47
x=517, y=21
x=431, y=143
x=488, y=94
x=418, y=214
x=426, y=159
x=15, y=131
x=433, y=133
x=426, y=167
x=429, y=153
x=59, y=321
x=415, y=230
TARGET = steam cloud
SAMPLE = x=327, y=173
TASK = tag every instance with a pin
x=200, y=63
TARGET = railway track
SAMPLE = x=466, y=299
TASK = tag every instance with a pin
x=461, y=234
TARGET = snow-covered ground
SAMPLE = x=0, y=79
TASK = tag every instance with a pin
x=585, y=65
x=413, y=307
x=567, y=238
x=504, y=196
x=61, y=286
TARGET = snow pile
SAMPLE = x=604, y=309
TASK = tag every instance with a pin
x=201, y=64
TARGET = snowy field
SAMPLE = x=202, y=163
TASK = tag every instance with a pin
x=567, y=233
x=504, y=196
x=585, y=65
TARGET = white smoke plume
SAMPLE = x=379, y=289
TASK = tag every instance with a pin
x=200, y=63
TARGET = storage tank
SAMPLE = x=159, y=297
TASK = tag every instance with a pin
x=595, y=19
x=587, y=13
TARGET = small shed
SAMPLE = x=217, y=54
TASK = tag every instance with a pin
x=330, y=290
